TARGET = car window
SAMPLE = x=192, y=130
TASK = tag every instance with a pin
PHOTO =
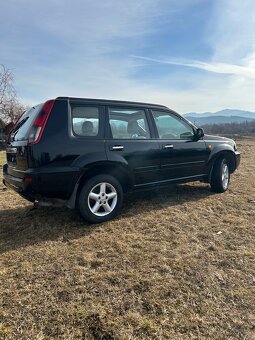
x=171, y=127
x=23, y=126
x=128, y=123
x=85, y=120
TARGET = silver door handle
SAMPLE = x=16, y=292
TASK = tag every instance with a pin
x=168, y=146
x=117, y=147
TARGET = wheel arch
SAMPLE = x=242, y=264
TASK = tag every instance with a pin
x=229, y=155
x=117, y=170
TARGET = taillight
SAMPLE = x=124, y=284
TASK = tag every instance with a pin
x=40, y=122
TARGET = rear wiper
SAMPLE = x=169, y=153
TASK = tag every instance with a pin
x=19, y=124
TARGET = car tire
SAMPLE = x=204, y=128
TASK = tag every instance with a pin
x=100, y=199
x=220, y=176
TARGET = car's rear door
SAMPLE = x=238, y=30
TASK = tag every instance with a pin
x=181, y=155
x=130, y=141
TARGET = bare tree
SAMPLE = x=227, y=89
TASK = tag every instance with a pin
x=10, y=107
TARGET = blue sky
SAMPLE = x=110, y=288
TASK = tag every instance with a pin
x=191, y=55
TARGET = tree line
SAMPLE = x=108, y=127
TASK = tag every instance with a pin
x=246, y=128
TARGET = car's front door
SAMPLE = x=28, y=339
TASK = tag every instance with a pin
x=181, y=155
x=130, y=141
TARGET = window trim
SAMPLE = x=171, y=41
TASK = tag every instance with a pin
x=108, y=132
x=171, y=113
x=101, y=120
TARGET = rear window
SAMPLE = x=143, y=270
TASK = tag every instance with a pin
x=24, y=124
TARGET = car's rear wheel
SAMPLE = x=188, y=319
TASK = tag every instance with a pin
x=220, y=176
x=100, y=199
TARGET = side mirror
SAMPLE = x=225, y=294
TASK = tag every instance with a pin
x=199, y=133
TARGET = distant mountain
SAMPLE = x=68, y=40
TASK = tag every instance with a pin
x=220, y=117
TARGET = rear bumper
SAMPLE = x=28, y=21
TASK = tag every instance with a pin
x=35, y=183
x=12, y=182
x=17, y=184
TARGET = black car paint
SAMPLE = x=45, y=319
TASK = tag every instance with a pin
x=59, y=162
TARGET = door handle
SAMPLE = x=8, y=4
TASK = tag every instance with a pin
x=117, y=147
x=168, y=146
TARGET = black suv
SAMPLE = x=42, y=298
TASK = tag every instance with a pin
x=88, y=152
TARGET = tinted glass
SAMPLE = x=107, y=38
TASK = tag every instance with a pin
x=22, y=128
x=128, y=123
x=85, y=120
x=171, y=127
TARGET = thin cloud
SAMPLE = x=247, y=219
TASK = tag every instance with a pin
x=221, y=68
x=83, y=49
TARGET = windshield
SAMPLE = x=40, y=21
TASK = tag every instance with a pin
x=22, y=128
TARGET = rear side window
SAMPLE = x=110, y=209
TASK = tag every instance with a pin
x=85, y=121
x=128, y=123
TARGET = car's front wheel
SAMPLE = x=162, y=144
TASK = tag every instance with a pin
x=100, y=199
x=220, y=176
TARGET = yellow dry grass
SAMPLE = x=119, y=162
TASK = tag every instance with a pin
x=177, y=264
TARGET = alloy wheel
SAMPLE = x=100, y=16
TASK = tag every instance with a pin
x=102, y=199
x=225, y=176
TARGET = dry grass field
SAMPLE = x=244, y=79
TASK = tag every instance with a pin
x=178, y=263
